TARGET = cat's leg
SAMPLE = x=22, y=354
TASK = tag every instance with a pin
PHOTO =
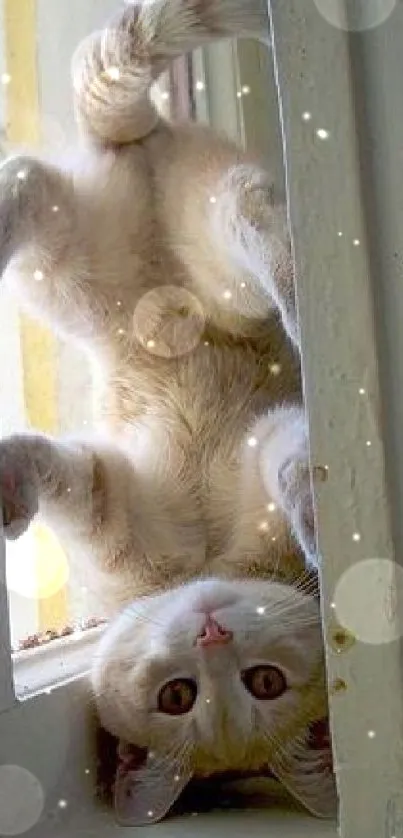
x=89, y=495
x=252, y=226
x=280, y=451
x=44, y=250
x=68, y=483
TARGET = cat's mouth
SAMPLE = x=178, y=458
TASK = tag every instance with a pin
x=319, y=734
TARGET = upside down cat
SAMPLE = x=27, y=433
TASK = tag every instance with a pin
x=162, y=252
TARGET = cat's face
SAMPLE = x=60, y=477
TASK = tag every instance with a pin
x=213, y=676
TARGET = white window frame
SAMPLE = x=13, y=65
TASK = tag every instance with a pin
x=56, y=663
x=345, y=323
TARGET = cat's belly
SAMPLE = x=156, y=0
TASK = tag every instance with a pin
x=185, y=425
x=221, y=521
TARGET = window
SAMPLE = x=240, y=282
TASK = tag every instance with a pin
x=47, y=383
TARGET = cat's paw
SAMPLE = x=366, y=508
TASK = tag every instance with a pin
x=18, y=493
x=28, y=191
x=295, y=487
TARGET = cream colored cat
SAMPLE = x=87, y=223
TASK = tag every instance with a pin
x=162, y=253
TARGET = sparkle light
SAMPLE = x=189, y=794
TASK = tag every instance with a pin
x=261, y=610
x=200, y=85
x=243, y=284
x=323, y=134
x=5, y=78
x=206, y=343
x=368, y=443
x=264, y=526
x=62, y=804
x=213, y=199
x=274, y=538
x=362, y=391
x=245, y=89
x=252, y=442
x=150, y=344
x=87, y=771
x=21, y=175
x=275, y=369
x=356, y=242
x=306, y=116
x=150, y=814
x=340, y=233
x=373, y=14
x=165, y=95
x=113, y=73
x=239, y=94
x=356, y=536
x=68, y=490
x=119, y=303
x=55, y=208
x=371, y=734
x=121, y=331
x=271, y=507
x=177, y=778
x=208, y=700
x=227, y=295
x=38, y=275
x=21, y=811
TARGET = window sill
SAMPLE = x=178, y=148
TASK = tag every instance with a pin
x=58, y=662
x=259, y=824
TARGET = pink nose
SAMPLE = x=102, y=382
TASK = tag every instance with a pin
x=212, y=634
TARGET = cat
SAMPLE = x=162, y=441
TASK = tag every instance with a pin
x=163, y=253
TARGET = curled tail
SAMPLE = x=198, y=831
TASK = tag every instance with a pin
x=114, y=69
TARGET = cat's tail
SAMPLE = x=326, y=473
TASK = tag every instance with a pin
x=113, y=70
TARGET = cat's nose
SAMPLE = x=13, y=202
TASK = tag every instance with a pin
x=212, y=634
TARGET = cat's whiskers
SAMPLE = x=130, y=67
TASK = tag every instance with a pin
x=131, y=612
x=275, y=744
x=290, y=614
x=177, y=756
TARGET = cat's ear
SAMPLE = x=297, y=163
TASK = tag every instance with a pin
x=305, y=768
x=146, y=789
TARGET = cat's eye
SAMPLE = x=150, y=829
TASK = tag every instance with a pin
x=265, y=683
x=177, y=697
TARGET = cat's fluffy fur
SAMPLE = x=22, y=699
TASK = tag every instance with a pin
x=161, y=252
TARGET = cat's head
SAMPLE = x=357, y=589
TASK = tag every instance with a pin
x=212, y=677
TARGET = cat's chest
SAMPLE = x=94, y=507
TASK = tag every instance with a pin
x=197, y=480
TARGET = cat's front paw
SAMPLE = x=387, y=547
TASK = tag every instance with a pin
x=26, y=187
x=295, y=487
x=18, y=493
